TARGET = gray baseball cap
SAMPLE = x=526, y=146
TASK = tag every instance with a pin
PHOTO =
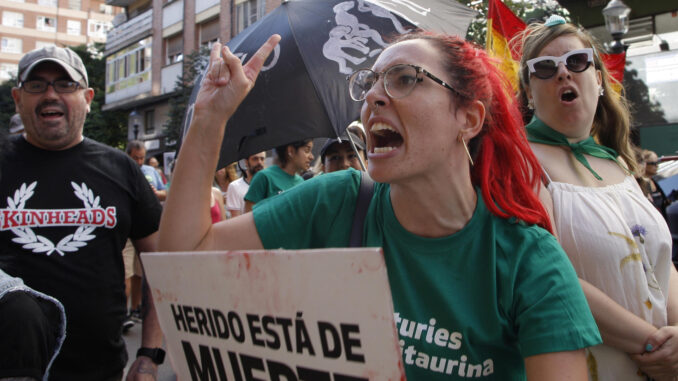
x=64, y=57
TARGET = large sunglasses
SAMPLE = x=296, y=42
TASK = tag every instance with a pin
x=576, y=61
x=399, y=81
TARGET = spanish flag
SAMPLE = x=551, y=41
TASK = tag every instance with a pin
x=502, y=26
x=615, y=66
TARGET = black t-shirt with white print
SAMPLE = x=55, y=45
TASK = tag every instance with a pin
x=64, y=219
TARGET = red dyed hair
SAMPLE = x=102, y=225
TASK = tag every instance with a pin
x=505, y=168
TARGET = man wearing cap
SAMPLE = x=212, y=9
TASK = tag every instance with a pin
x=67, y=205
x=336, y=154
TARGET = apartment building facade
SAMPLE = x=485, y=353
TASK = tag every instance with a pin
x=31, y=24
x=144, y=54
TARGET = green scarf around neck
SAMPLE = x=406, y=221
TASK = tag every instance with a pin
x=540, y=132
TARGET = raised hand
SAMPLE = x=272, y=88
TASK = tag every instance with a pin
x=227, y=81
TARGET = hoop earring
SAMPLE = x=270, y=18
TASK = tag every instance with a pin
x=460, y=139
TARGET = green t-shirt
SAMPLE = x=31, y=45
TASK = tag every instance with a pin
x=270, y=182
x=469, y=305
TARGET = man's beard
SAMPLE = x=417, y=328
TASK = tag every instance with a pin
x=255, y=169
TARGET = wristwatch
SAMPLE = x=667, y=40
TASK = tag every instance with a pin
x=157, y=355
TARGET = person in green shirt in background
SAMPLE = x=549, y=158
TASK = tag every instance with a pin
x=292, y=159
x=480, y=287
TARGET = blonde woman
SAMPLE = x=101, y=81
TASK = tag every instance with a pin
x=618, y=243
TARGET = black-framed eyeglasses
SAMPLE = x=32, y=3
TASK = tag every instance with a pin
x=399, y=81
x=651, y=163
x=37, y=86
x=576, y=61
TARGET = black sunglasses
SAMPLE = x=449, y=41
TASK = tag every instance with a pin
x=37, y=86
x=576, y=61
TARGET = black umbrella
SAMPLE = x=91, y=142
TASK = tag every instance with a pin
x=302, y=90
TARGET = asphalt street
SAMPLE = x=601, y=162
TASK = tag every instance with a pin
x=133, y=341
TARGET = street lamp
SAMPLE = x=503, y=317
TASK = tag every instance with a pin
x=616, y=15
x=134, y=118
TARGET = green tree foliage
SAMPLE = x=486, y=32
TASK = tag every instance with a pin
x=6, y=103
x=108, y=127
x=527, y=10
x=193, y=65
x=644, y=110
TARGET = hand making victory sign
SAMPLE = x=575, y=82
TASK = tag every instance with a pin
x=224, y=87
x=227, y=81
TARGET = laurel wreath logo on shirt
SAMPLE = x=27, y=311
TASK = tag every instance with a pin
x=40, y=244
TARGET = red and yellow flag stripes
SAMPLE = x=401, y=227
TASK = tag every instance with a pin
x=503, y=25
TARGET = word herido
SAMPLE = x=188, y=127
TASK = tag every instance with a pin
x=271, y=332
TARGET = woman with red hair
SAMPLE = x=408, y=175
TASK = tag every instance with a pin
x=453, y=208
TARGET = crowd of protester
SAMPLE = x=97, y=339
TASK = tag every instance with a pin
x=554, y=230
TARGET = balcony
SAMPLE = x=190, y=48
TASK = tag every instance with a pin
x=172, y=13
x=201, y=5
x=130, y=88
x=129, y=31
x=170, y=74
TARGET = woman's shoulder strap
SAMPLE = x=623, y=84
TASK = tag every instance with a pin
x=545, y=178
x=365, y=193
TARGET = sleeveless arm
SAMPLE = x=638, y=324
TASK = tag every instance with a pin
x=662, y=361
x=619, y=327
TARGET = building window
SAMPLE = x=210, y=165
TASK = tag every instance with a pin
x=106, y=9
x=174, y=47
x=7, y=71
x=48, y=3
x=149, y=122
x=209, y=33
x=13, y=19
x=43, y=44
x=96, y=28
x=73, y=27
x=75, y=4
x=46, y=24
x=129, y=66
x=248, y=12
x=11, y=45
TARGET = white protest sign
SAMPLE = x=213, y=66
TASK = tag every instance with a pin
x=276, y=315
